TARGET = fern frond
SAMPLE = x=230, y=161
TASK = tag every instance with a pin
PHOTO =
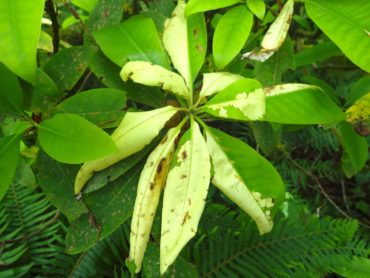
x=312, y=247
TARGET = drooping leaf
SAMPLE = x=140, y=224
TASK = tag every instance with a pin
x=136, y=130
x=185, y=40
x=149, y=189
x=135, y=39
x=71, y=139
x=275, y=35
x=196, y=6
x=300, y=104
x=184, y=195
x=20, y=26
x=242, y=100
x=217, y=81
x=99, y=106
x=355, y=149
x=153, y=75
x=245, y=177
x=109, y=208
x=67, y=66
x=56, y=181
x=11, y=96
x=9, y=156
x=231, y=34
x=257, y=7
x=347, y=24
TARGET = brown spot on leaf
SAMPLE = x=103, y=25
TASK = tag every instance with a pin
x=152, y=185
x=160, y=166
x=195, y=33
x=184, y=155
x=187, y=217
x=183, y=176
x=200, y=48
x=164, y=140
x=189, y=200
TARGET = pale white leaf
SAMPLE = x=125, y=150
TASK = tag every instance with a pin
x=184, y=196
x=136, y=130
x=153, y=75
x=149, y=189
x=287, y=88
x=217, y=81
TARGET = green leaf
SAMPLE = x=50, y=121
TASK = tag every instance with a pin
x=56, y=180
x=99, y=106
x=152, y=75
x=9, y=155
x=71, y=139
x=300, y=104
x=347, y=24
x=196, y=6
x=326, y=87
x=266, y=137
x=217, y=81
x=135, y=39
x=136, y=130
x=355, y=149
x=246, y=177
x=110, y=207
x=20, y=26
x=11, y=96
x=87, y=5
x=242, y=100
x=231, y=34
x=257, y=7
x=67, y=66
x=356, y=268
x=358, y=90
x=185, y=40
x=184, y=195
x=316, y=53
x=149, y=189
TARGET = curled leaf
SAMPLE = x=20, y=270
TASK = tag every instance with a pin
x=136, y=130
x=184, y=196
x=152, y=75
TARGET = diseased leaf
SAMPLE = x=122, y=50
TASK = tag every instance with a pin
x=152, y=179
x=71, y=139
x=196, y=6
x=347, y=24
x=20, y=26
x=136, y=130
x=99, y=106
x=184, y=195
x=275, y=35
x=135, y=39
x=231, y=34
x=242, y=100
x=359, y=115
x=245, y=177
x=9, y=156
x=11, y=95
x=217, y=81
x=185, y=40
x=153, y=75
x=300, y=104
x=56, y=181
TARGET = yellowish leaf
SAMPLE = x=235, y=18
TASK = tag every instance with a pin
x=217, y=81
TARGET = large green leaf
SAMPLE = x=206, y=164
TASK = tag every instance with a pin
x=20, y=26
x=87, y=5
x=347, y=23
x=246, y=177
x=57, y=180
x=99, y=106
x=196, y=6
x=109, y=208
x=231, y=34
x=67, y=66
x=300, y=104
x=11, y=96
x=184, y=195
x=9, y=155
x=135, y=39
x=185, y=40
x=355, y=148
x=242, y=100
x=136, y=130
x=70, y=138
